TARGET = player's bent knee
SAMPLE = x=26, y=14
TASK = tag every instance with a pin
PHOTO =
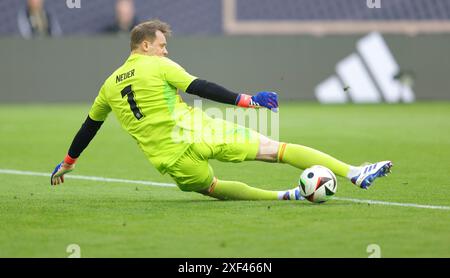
x=194, y=186
x=208, y=191
x=203, y=188
x=268, y=149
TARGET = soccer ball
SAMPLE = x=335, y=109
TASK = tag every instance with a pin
x=317, y=184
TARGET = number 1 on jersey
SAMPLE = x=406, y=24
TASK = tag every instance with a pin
x=128, y=91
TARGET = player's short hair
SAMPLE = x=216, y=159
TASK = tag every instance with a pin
x=147, y=30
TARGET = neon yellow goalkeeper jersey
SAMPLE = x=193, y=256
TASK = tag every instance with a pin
x=143, y=95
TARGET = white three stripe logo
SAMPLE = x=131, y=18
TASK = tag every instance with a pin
x=369, y=73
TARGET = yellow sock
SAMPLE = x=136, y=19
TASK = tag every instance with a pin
x=304, y=157
x=234, y=190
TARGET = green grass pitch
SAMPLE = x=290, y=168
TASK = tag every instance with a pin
x=126, y=220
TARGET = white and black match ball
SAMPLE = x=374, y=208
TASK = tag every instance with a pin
x=317, y=184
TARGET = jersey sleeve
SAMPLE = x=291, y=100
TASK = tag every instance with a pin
x=176, y=75
x=100, y=109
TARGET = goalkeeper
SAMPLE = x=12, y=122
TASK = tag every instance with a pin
x=143, y=95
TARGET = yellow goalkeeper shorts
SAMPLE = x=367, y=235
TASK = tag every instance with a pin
x=192, y=171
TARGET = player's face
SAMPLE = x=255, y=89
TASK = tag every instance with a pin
x=159, y=46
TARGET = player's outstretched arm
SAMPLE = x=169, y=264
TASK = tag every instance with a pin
x=212, y=91
x=80, y=142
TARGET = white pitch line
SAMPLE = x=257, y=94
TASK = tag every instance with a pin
x=91, y=178
x=102, y=179
x=390, y=203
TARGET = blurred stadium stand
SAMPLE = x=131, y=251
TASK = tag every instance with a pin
x=185, y=16
x=342, y=10
x=210, y=17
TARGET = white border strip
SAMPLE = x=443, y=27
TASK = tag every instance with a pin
x=233, y=26
x=102, y=179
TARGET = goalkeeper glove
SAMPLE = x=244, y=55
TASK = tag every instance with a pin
x=264, y=99
x=66, y=166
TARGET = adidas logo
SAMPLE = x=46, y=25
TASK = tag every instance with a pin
x=370, y=75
